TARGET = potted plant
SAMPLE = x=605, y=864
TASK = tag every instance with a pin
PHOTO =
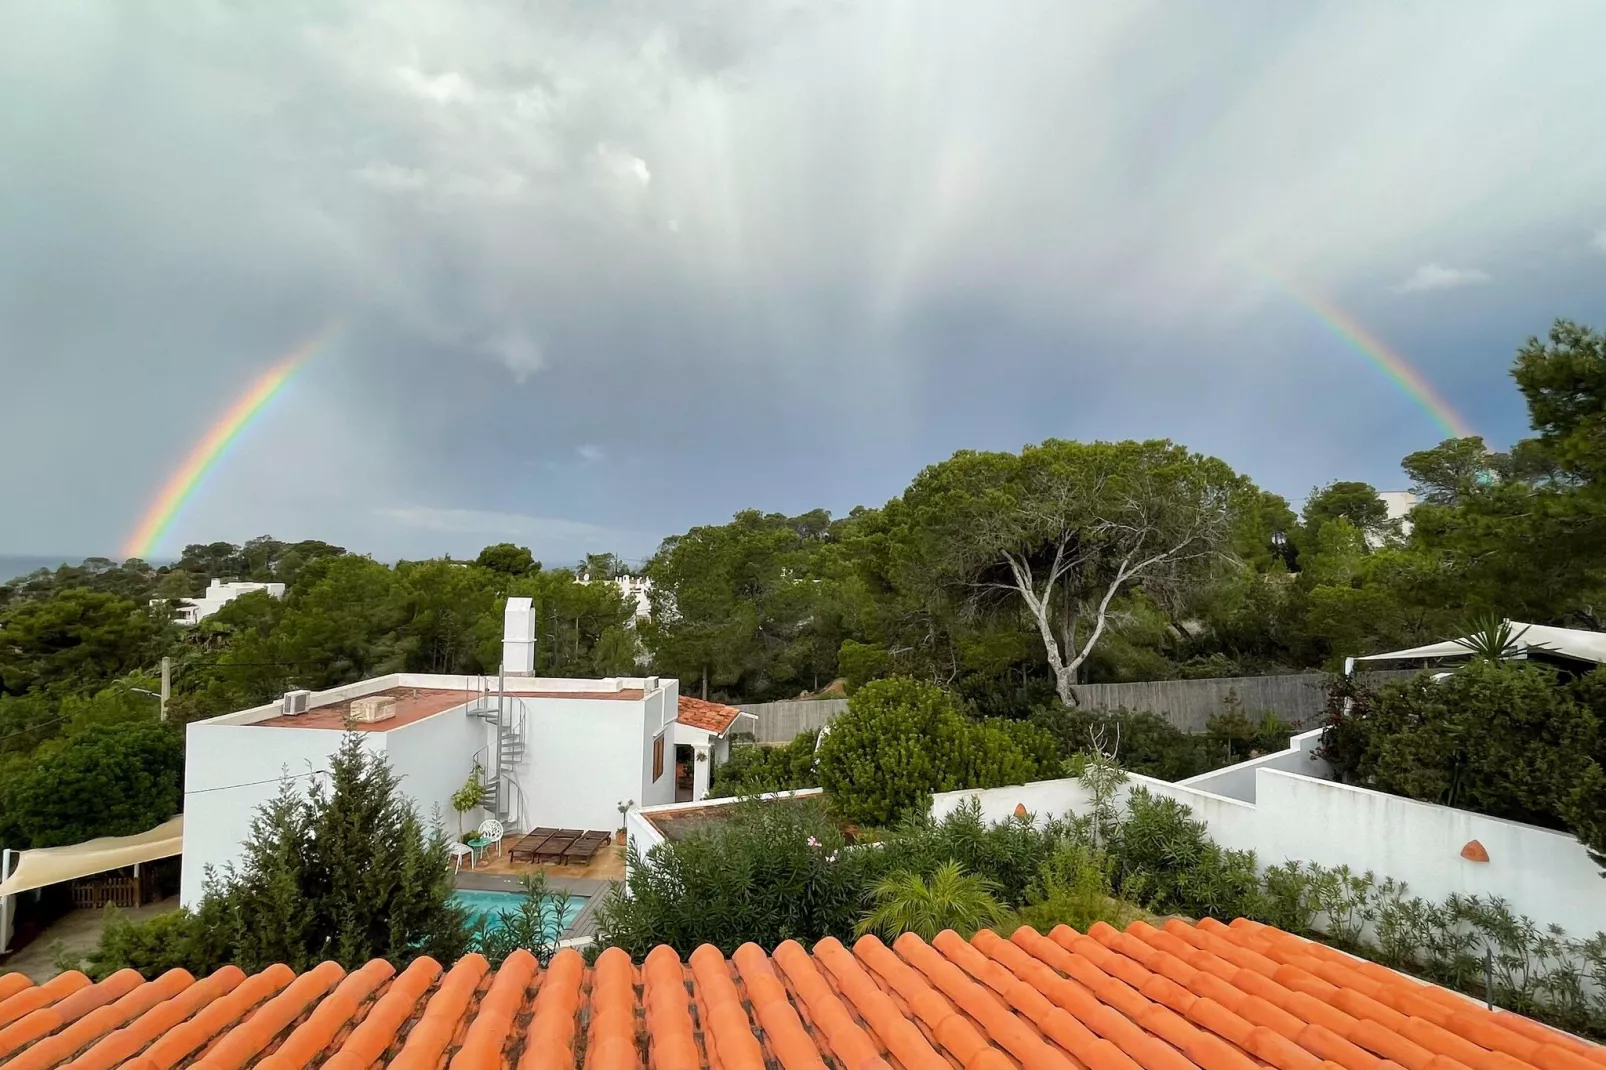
x=623, y=833
x=467, y=797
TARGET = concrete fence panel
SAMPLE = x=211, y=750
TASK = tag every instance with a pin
x=780, y=722
x=1189, y=704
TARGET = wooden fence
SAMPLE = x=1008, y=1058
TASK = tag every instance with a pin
x=780, y=722
x=1189, y=704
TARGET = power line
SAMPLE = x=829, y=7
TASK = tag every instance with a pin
x=32, y=728
x=255, y=783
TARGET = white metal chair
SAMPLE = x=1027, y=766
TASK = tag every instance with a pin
x=458, y=852
x=491, y=832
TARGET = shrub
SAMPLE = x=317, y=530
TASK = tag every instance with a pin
x=1073, y=887
x=753, y=769
x=1503, y=738
x=1009, y=853
x=344, y=872
x=900, y=741
x=534, y=925
x=1165, y=860
x=949, y=899
x=1234, y=736
x=1144, y=742
x=771, y=872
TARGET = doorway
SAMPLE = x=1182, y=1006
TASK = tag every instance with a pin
x=685, y=772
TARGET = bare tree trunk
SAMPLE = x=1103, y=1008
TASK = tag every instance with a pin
x=705, y=682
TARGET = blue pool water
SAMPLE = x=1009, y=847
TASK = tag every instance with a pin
x=490, y=905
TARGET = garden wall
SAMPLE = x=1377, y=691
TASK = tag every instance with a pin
x=1238, y=781
x=1542, y=874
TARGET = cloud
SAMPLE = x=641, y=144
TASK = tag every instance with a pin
x=519, y=353
x=1600, y=239
x=588, y=453
x=944, y=224
x=490, y=524
x=1438, y=277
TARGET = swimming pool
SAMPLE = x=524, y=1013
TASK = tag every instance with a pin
x=490, y=905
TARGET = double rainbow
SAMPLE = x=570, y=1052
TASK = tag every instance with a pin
x=182, y=485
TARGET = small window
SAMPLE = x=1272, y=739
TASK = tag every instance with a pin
x=658, y=757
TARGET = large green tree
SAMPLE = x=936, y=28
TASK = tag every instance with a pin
x=738, y=607
x=79, y=637
x=1062, y=529
x=104, y=780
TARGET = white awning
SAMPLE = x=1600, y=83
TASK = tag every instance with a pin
x=52, y=865
x=1572, y=643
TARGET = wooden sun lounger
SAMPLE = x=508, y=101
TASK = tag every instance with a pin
x=530, y=843
x=586, y=847
x=552, y=850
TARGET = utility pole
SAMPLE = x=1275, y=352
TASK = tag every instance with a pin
x=167, y=684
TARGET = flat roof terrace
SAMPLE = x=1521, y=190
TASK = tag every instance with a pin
x=413, y=704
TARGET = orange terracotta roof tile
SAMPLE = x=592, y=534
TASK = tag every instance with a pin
x=1218, y=997
x=712, y=716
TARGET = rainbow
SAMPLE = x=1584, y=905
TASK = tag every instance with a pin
x=181, y=486
x=1372, y=348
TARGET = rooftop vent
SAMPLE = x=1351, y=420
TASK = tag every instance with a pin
x=294, y=703
x=373, y=708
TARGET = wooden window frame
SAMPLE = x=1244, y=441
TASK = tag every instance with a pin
x=658, y=758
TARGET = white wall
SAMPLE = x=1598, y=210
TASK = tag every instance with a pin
x=661, y=707
x=582, y=760
x=1238, y=781
x=230, y=771
x=433, y=758
x=1542, y=874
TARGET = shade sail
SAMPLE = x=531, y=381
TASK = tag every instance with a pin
x=52, y=865
x=1572, y=643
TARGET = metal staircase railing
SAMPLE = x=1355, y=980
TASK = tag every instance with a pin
x=504, y=793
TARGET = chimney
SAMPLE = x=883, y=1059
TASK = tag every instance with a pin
x=518, y=636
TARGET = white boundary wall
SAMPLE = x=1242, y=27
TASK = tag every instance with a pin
x=1542, y=874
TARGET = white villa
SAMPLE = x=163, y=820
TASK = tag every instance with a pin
x=555, y=752
x=218, y=594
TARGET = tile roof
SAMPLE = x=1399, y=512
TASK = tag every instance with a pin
x=1239, y=997
x=712, y=716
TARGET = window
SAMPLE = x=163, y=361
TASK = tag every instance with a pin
x=658, y=757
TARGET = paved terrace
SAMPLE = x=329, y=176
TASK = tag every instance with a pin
x=1213, y=996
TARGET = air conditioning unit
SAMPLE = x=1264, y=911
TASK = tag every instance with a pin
x=374, y=708
x=294, y=703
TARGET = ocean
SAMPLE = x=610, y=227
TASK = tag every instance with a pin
x=14, y=565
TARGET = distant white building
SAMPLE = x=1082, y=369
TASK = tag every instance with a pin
x=218, y=594
x=635, y=588
x=1399, y=503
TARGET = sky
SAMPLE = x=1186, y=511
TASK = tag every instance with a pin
x=596, y=271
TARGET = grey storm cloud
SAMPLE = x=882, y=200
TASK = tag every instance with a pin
x=564, y=231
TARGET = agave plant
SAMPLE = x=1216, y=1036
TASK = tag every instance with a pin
x=906, y=902
x=1490, y=638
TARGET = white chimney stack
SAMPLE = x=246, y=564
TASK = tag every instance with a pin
x=518, y=636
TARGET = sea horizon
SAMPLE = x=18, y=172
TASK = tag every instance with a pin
x=15, y=566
